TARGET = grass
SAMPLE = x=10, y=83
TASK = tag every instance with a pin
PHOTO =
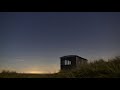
x=96, y=69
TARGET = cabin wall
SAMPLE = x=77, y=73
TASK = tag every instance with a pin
x=72, y=62
x=66, y=67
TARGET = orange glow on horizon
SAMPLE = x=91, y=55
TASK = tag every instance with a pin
x=35, y=72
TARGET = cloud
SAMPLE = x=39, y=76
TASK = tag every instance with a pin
x=21, y=60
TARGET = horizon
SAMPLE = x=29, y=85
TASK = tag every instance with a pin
x=35, y=41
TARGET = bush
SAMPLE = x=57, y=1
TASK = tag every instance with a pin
x=8, y=72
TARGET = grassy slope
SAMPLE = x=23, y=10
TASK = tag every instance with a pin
x=96, y=69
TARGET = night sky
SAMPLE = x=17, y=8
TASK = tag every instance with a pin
x=32, y=42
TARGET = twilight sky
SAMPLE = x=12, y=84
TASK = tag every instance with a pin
x=34, y=41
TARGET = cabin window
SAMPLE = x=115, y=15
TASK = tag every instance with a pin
x=67, y=62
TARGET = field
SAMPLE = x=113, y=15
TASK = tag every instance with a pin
x=26, y=75
x=96, y=69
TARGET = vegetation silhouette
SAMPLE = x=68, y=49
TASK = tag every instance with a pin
x=97, y=69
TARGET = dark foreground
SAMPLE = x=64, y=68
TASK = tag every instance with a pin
x=96, y=69
x=27, y=75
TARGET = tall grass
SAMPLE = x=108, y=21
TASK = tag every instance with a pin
x=8, y=72
x=97, y=69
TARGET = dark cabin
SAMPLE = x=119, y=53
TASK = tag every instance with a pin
x=71, y=61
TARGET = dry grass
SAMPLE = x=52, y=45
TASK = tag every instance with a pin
x=96, y=69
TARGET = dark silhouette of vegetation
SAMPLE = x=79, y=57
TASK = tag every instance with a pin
x=8, y=72
x=97, y=69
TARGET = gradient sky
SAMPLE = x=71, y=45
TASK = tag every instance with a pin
x=34, y=41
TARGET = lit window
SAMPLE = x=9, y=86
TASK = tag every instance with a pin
x=67, y=62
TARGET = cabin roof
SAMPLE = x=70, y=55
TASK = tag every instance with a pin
x=66, y=56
